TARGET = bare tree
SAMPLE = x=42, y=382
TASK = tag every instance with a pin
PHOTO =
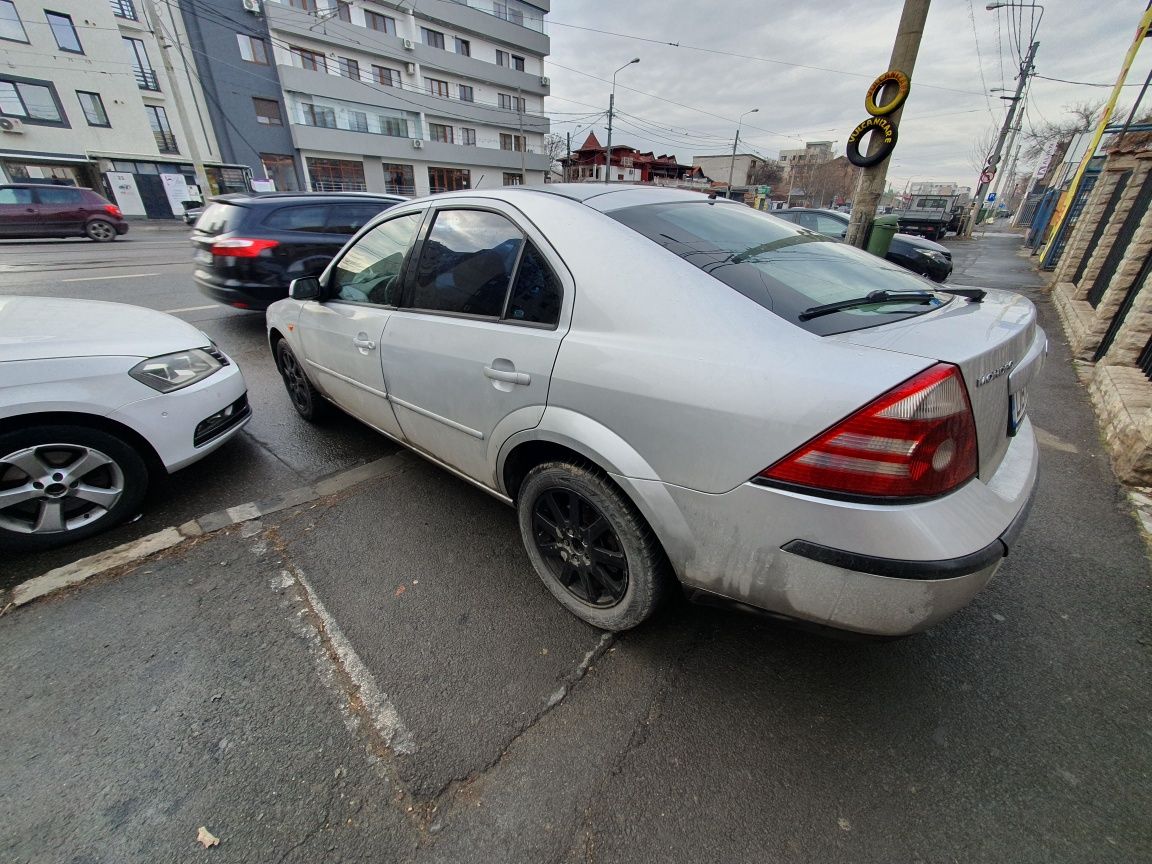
x=1078, y=117
x=827, y=181
x=555, y=148
x=981, y=148
x=766, y=174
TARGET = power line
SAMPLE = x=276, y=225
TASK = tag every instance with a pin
x=1082, y=83
x=980, y=61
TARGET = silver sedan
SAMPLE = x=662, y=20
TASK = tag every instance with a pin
x=674, y=390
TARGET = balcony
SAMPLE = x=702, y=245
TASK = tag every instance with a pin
x=166, y=142
x=124, y=9
x=505, y=13
x=146, y=79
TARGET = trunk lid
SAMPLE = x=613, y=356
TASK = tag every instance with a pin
x=996, y=343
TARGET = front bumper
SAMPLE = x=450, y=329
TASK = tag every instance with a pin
x=886, y=570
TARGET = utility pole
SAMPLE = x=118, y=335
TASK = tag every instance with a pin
x=872, y=180
x=611, y=109
x=732, y=164
x=568, y=164
x=994, y=159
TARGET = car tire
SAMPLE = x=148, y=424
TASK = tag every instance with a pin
x=100, y=231
x=306, y=399
x=62, y=507
x=602, y=561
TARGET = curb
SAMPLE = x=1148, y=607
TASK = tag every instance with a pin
x=144, y=547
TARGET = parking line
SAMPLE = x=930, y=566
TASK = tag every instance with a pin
x=192, y=309
x=105, y=278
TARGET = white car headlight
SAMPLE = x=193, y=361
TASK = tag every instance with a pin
x=172, y=371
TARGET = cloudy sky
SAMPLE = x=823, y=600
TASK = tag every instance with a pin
x=816, y=60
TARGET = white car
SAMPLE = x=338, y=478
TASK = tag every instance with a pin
x=94, y=399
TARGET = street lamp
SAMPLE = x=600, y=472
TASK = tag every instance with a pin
x=611, y=108
x=992, y=7
x=732, y=164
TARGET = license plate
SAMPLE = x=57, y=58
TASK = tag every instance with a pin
x=202, y=256
x=1017, y=408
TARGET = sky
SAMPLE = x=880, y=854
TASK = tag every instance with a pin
x=816, y=61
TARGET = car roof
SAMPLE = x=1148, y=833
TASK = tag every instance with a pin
x=599, y=196
x=247, y=199
x=43, y=185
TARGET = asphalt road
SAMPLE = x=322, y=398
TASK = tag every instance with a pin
x=151, y=266
x=379, y=676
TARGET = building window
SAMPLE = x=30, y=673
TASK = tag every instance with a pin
x=64, y=31
x=399, y=179
x=463, y=46
x=432, y=38
x=319, y=115
x=336, y=175
x=387, y=77
x=503, y=58
x=440, y=132
x=124, y=9
x=161, y=131
x=32, y=101
x=357, y=121
x=11, y=27
x=466, y=93
x=513, y=179
x=383, y=23
x=511, y=142
x=93, y=108
x=281, y=170
x=449, y=179
x=348, y=68
x=468, y=137
x=344, y=11
x=268, y=112
x=308, y=59
x=252, y=49
x=512, y=103
x=141, y=65
x=306, y=5
x=436, y=87
x=508, y=13
x=397, y=127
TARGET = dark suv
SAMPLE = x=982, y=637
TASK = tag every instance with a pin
x=39, y=210
x=249, y=247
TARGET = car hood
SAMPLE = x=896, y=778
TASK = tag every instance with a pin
x=919, y=242
x=42, y=328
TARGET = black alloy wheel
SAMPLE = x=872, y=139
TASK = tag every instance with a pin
x=306, y=399
x=580, y=547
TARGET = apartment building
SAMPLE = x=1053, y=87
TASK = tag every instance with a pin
x=410, y=98
x=92, y=94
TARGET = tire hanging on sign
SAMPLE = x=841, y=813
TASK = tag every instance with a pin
x=892, y=76
x=879, y=126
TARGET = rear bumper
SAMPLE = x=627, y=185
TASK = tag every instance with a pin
x=882, y=570
x=240, y=295
x=121, y=228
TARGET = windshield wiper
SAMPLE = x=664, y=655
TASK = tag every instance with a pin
x=871, y=298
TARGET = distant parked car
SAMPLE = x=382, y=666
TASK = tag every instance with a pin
x=250, y=246
x=912, y=253
x=193, y=210
x=36, y=210
x=96, y=398
x=674, y=390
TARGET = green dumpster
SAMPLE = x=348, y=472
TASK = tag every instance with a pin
x=880, y=238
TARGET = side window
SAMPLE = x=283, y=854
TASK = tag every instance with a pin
x=806, y=220
x=310, y=217
x=830, y=227
x=369, y=272
x=350, y=218
x=16, y=196
x=536, y=292
x=466, y=263
x=50, y=195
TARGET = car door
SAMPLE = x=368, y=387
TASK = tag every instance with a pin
x=340, y=337
x=17, y=213
x=59, y=210
x=469, y=357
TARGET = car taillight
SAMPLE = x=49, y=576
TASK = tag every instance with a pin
x=917, y=440
x=113, y=210
x=242, y=247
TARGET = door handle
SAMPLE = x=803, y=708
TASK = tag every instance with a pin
x=366, y=344
x=510, y=377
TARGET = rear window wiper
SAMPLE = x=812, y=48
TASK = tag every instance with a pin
x=869, y=299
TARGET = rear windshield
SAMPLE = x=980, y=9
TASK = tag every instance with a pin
x=219, y=218
x=784, y=268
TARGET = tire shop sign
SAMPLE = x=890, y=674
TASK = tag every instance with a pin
x=879, y=123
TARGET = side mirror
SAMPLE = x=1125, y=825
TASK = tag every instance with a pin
x=304, y=288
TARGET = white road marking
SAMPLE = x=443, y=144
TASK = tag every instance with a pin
x=193, y=309
x=105, y=278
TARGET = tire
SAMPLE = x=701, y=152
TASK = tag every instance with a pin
x=612, y=577
x=107, y=487
x=883, y=126
x=100, y=231
x=903, y=85
x=306, y=399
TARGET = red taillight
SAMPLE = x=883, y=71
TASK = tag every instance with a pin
x=915, y=441
x=113, y=210
x=242, y=247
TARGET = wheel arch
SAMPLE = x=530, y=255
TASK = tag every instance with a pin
x=152, y=460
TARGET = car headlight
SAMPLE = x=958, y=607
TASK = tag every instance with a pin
x=932, y=254
x=172, y=371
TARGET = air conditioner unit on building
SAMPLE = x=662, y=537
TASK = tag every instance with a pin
x=408, y=46
x=411, y=67
x=545, y=81
x=252, y=6
x=11, y=124
x=417, y=144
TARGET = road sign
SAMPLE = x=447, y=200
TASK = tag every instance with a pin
x=991, y=197
x=988, y=174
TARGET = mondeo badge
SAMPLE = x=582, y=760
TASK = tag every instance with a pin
x=994, y=374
